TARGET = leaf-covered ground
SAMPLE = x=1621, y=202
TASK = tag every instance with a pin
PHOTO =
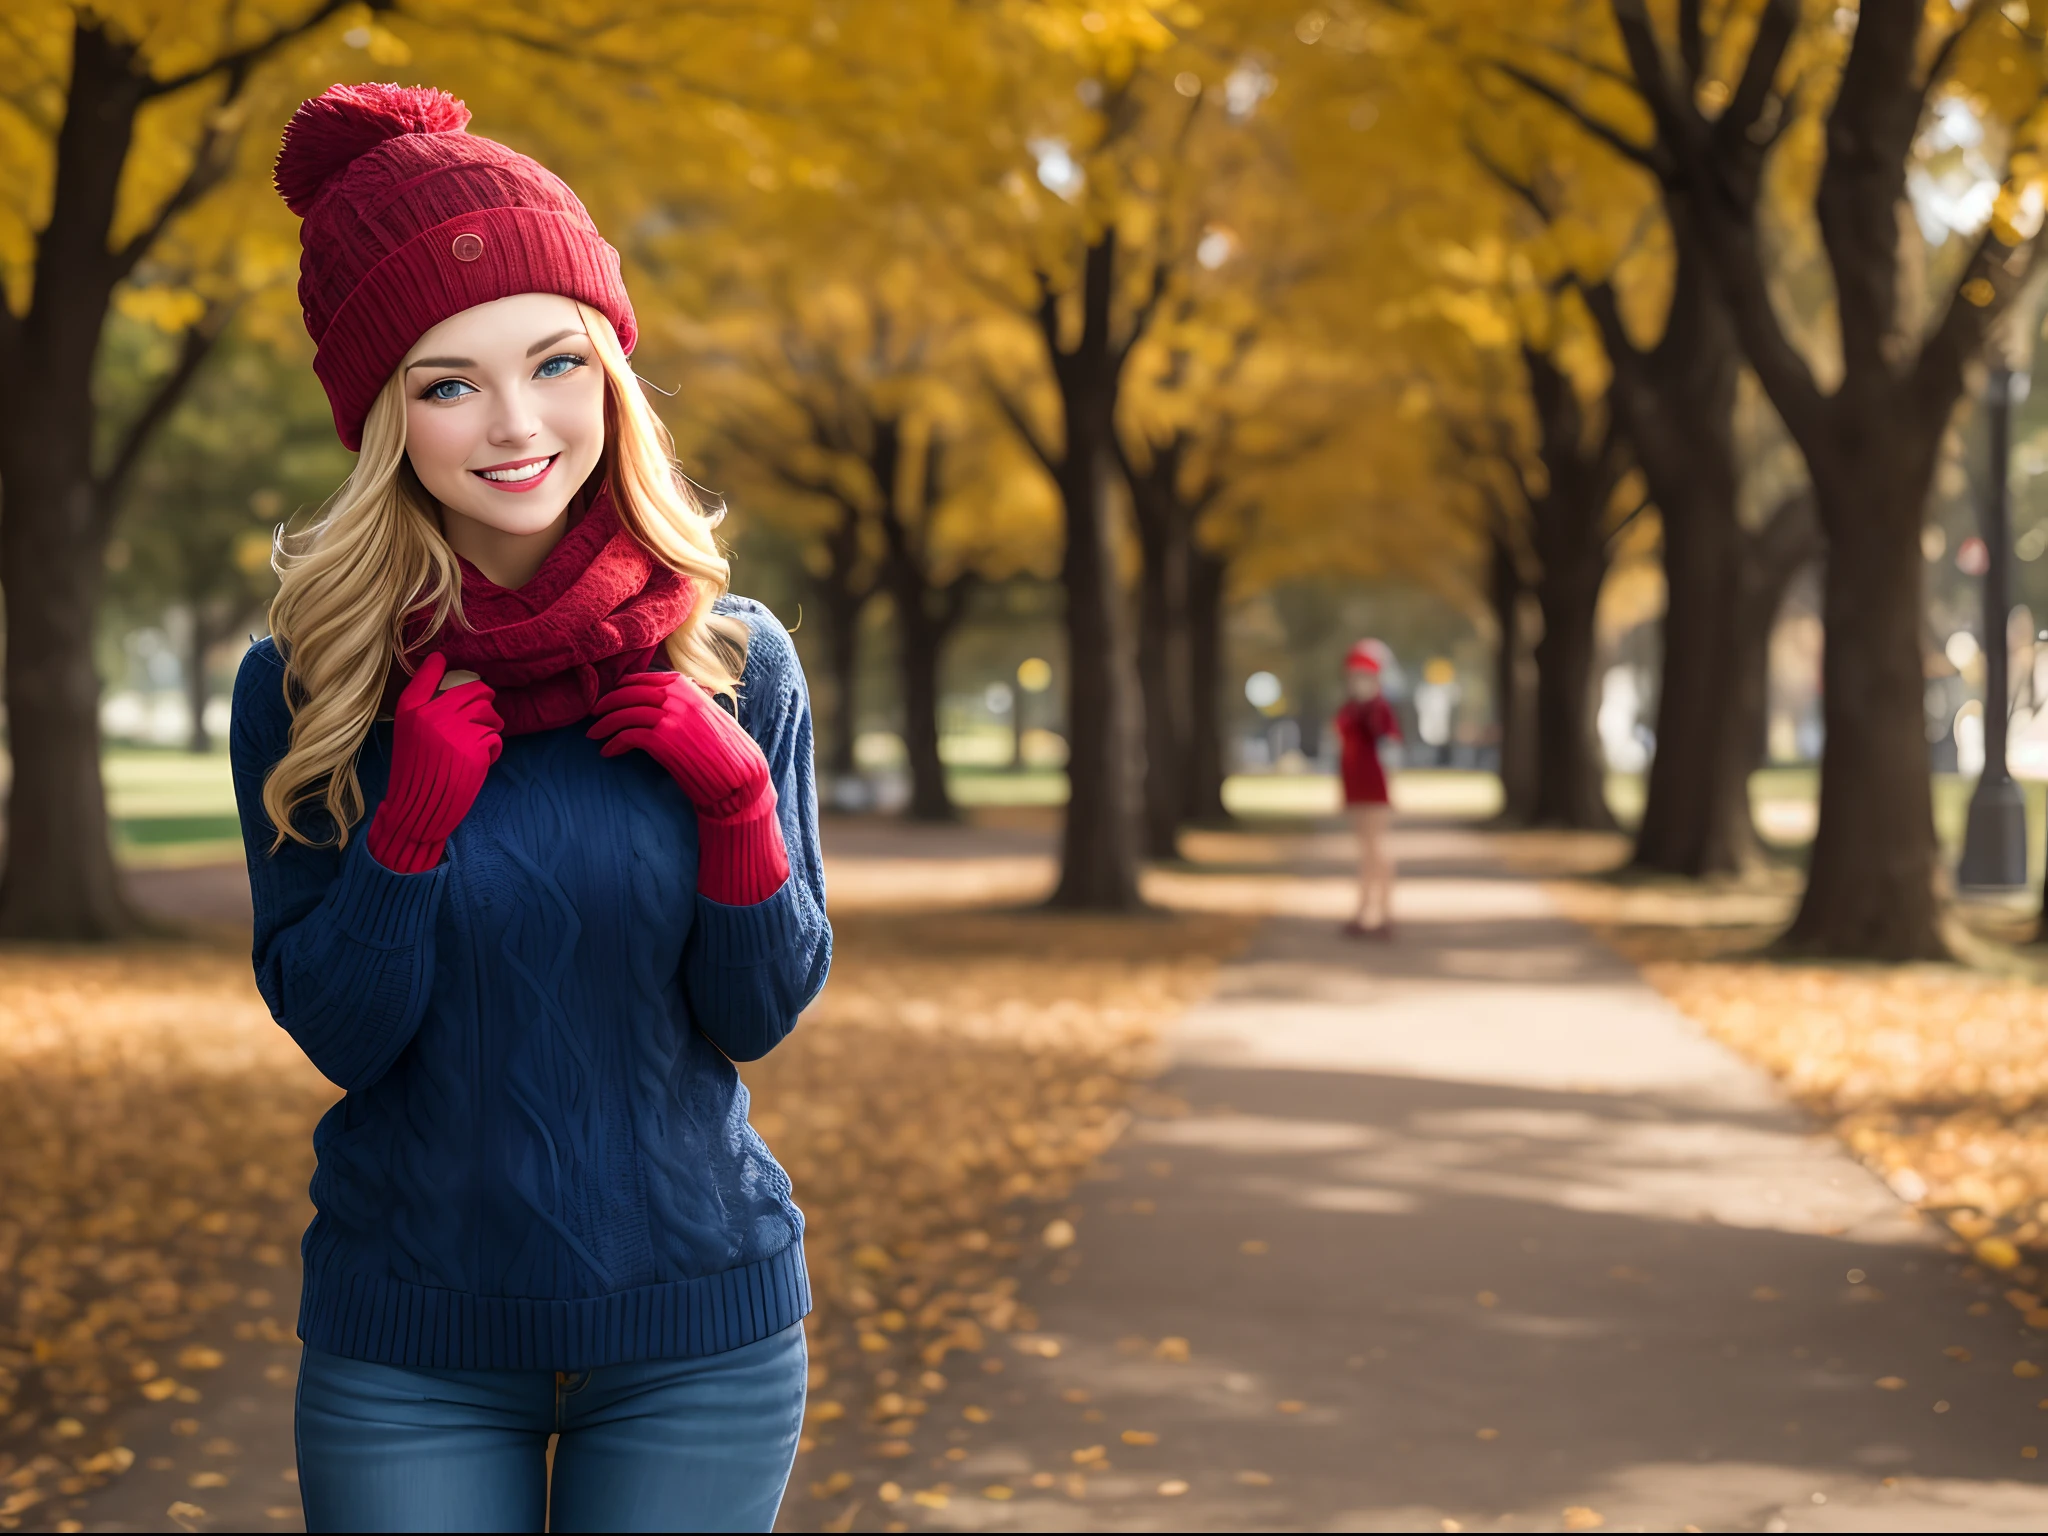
x=964, y=1064
x=1936, y=1075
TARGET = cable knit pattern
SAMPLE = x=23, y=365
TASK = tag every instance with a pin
x=543, y=1160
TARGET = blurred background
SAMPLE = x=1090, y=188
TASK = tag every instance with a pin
x=1317, y=324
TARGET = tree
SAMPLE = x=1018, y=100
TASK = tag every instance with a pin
x=250, y=442
x=1870, y=422
x=61, y=490
x=1674, y=399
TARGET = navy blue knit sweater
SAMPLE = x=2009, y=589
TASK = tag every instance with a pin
x=543, y=1159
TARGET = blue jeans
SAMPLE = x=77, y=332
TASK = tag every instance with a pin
x=661, y=1445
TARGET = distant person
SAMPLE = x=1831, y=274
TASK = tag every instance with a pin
x=1365, y=721
x=533, y=841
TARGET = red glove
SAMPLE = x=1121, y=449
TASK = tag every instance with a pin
x=720, y=768
x=442, y=746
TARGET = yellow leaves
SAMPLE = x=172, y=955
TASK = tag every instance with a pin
x=1487, y=1299
x=200, y=1357
x=2026, y=1370
x=1173, y=1488
x=974, y=1413
x=1486, y=1434
x=1252, y=1245
x=1173, y=1349
x=168, y=308
x=1291, y=1405
x=1957, y=1353
x=1890, y=1383
x=1139, y=1437
x=1094, y=1457
x=1997, y=1253
x=1058, y=1234
x=115, y=1459
x=999, y=1492
x=1978, y=291
x=1579, y=1517
x=207, y=1480
x=159, y=1389
x=829, y=1487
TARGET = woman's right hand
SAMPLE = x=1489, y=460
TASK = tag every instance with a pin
x=443, y=744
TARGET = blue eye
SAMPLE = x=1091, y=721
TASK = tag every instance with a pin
x=556, y=366
x=448, y=389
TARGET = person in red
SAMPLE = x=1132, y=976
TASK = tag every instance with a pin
x=1362, y=724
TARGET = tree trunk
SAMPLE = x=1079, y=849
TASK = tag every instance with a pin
x=1164, y=534
x=60, y=881
x=1099, y=848
x=1207, y=574
x=1570, y=774
x=1676, y=402
x=1099, y=852
x=1568, y=528
x=919, y=648
x=201, y=641
x=1871, y=885
x=1514, y=683
x=843, y=596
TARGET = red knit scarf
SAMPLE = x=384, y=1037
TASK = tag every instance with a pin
x=598, y=608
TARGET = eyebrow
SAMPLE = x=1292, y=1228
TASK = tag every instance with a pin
x=470, y=362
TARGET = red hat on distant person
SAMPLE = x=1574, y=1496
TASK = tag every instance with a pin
x=409, y=219
x=1363, y=657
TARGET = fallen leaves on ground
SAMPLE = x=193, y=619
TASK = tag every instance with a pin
x=962, y=1067
x=154, y=1147
x=1935, y=1075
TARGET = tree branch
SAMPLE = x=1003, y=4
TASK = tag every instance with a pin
x=1775, y=25
x=197, y=344
x=1647, y=156
x=243, y=60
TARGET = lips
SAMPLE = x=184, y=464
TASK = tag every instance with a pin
x=518, y=474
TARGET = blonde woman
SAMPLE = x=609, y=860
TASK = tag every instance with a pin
x=532, y=840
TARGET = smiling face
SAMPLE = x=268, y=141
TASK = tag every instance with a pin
x=504, y=421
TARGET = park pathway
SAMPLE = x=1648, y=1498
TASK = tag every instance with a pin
x=1472, y=1230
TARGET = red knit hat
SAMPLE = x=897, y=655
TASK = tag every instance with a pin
x=409, y=219
x=1363, y=657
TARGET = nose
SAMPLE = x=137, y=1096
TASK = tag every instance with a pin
x=514, y=422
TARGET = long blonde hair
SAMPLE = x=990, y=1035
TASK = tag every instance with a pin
x=376, y=554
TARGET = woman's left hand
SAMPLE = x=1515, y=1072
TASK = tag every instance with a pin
x=678, y=723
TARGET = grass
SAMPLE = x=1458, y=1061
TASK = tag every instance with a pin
x=175, y=807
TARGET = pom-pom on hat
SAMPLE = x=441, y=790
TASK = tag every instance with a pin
x=409, y=219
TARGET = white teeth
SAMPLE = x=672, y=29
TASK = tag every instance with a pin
x=513, y=476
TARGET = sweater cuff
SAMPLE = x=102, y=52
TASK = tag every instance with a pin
x=737, y=937
x=384, y=908
x=741, y=860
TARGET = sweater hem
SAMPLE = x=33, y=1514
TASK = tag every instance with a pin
x=394, y=1322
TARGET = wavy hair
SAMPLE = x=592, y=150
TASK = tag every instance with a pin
x=375, y=555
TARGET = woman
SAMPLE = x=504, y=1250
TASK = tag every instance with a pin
x=524, y=887
x=1363, y=723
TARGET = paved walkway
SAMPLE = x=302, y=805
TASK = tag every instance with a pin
x=1473, y=1231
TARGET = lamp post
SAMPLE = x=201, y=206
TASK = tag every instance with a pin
x=1995, y=839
